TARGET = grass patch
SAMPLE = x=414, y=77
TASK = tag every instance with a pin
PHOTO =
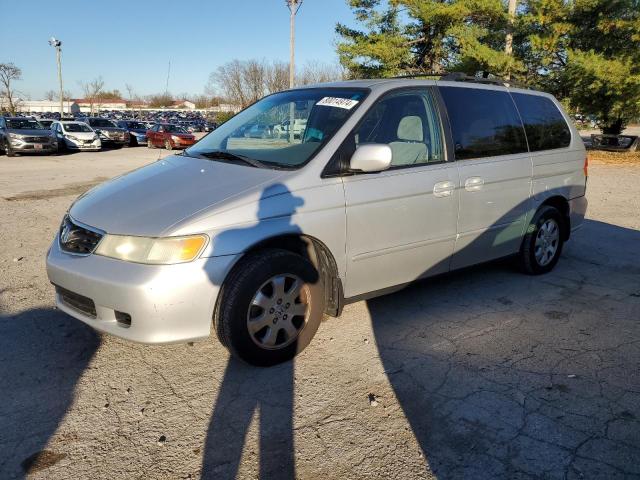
x=614, y=158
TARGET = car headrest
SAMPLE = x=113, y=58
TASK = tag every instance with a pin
x=410, y=129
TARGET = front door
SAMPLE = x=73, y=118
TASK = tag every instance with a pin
x=494, y=168
x=401, y=223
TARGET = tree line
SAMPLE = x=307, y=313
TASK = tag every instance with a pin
x=585, y=52
x=243, y=82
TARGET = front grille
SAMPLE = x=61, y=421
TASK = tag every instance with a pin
x=77, y=302
x=37, y=139
x=77, y=239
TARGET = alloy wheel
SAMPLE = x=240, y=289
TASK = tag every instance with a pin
x=278, y=311
x=547, y=241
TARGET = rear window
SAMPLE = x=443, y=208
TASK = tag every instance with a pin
x=484, y=123
x=545, y=126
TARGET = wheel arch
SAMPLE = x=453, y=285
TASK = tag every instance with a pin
x=321, y=258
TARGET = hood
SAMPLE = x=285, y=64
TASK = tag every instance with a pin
x=30, y=132
x=139, y=131
x=109, y=129
x=82, y=135
x=150, y=200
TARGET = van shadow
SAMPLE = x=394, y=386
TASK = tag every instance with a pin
x=43, y=353
x=247, y=391
x=501, y=375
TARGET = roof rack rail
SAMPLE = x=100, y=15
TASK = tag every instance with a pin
x=463, y=77
x=419, y=74
x=494, y=80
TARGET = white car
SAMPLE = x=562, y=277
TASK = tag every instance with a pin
x=76, y=136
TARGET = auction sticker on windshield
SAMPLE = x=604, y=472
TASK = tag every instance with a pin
x=345, y=103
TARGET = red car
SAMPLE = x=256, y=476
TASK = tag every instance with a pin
x=169, y=136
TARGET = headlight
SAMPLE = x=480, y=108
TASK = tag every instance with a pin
x=17, y=136
x=71, y=137
x=175, y=138
x=157, y=251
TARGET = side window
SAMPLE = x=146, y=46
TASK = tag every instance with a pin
x=484, y=123
x=545, y=126
x=409, y=123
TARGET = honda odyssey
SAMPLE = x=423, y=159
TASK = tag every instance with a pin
x=390, y=181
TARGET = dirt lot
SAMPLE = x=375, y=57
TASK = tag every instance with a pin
x=480, y=374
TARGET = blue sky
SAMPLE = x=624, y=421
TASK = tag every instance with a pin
x=132, y=41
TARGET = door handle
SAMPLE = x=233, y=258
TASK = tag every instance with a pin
x=473, y=184
x=443, y=189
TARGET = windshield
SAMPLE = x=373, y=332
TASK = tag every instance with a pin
x=77, y=127
x=101, y=122
x=137, y=125
x=23, y=124
x=284, y=129
x=174, y=129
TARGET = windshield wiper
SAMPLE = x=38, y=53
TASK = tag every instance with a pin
x=231, y=156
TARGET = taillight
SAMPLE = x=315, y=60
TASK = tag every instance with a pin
x=586, y=166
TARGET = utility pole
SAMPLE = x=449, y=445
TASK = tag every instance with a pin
x=57, y=44
x=508, y=44
x=294, y=6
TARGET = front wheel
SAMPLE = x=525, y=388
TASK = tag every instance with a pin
x=167, y=145
x=543, y=242
x=270, y=307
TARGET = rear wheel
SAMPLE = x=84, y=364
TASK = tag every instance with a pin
x=270, y=307
x=542, y=245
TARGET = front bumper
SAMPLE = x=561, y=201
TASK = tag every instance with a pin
x=95, y=145
x=577, y=211
x=29, y=147
x=165, y=303
x=140, y=139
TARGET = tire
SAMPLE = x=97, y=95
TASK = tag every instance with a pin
x=149, y=144
x=541, y=239
x=252, y=282
x=9, y=151
x=167, y=145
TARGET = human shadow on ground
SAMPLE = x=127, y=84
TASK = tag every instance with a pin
x=43, y=354
x=246, y=390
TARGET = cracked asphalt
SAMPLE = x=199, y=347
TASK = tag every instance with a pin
x=484, y=373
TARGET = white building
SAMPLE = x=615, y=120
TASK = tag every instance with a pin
x=37, y=106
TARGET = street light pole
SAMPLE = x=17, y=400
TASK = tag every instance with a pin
x=294, y=6
x=57, y=44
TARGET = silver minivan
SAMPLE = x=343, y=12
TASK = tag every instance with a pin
x=390, y=181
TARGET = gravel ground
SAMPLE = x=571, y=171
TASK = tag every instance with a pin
x=484, y=373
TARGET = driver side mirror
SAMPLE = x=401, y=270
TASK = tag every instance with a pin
x=371, y=157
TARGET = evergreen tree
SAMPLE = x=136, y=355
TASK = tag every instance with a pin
x=586, y=52
x=411, y=36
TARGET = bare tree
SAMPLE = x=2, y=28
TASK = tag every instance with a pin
x=277, y=77
x=229, y=77
x=92, y=91
x=8, y=74
x=316, y=72
x=50, y=95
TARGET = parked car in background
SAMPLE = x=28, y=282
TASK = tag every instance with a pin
x=282, y=129
x=110, y=134
x=259, y=130
x=210, y=126
x=74, y=135
x=46, y=122
x=169, y=136
x=25, y=135
x=137, y=131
